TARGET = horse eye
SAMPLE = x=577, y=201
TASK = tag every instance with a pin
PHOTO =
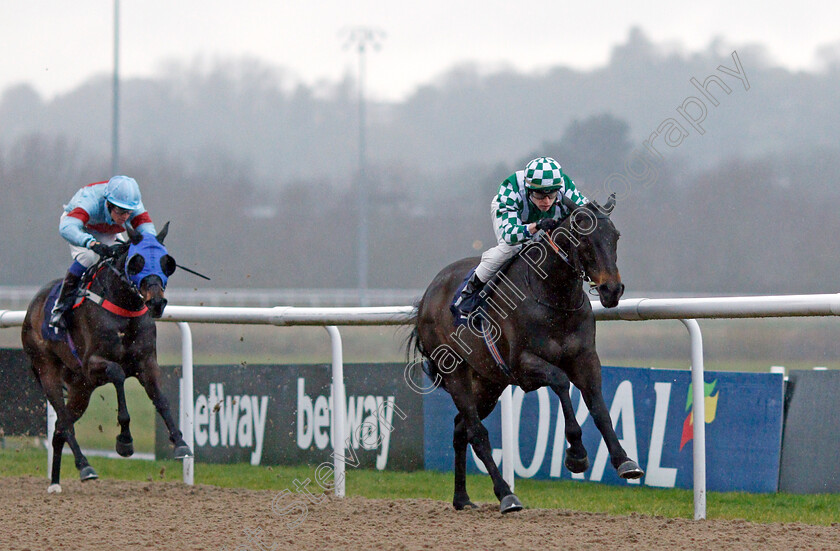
x=167, y=264
x=135, y=264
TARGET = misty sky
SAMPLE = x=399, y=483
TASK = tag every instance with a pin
x=55, y=45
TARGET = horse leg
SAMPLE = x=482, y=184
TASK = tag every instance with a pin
x=55, y=471
x=56, y=400
x=125, y=443
x=78, y=398
x=150, y=379
x=64, y=432
x=459, y=443
x=576, y=459
x=590, y=389
x=477, y=435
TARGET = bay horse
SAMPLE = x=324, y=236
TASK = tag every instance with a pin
x=112, y=336
x=543, y=329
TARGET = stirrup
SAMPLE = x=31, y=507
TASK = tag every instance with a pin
x=466, y=292
x=57, y=320
x=58, y=315
x=468, y=300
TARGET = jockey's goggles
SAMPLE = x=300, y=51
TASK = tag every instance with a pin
x=119, y=211
x=540, y=195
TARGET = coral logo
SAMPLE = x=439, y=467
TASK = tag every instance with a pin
x=711, y=400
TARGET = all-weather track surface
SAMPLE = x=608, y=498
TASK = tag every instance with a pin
x=110, y=514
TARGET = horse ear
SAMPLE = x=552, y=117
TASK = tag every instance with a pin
x=120, y=248
x=162, y=233
x=133, y=235
x=609, y=205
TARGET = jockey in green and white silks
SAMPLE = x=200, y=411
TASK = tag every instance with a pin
x=524, y=199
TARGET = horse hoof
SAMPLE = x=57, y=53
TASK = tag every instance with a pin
x=577, y=465
x=182, y=452
x=87, y=473
x=125, y=447
x=464, y=505
x=510, y=503
x=630, y=469
x=54, y=489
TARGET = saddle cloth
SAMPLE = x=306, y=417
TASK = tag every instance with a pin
x=52, y=333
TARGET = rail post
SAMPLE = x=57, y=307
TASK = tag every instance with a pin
x=187, y=404
x=699, y=413
x=339, y=409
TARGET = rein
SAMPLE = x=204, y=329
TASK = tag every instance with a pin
x=543, y=236
x=580, y=273
x=553, y=307
x=104, y=302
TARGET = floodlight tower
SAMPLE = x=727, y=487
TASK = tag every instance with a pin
x=115, y=119
x=362, y=39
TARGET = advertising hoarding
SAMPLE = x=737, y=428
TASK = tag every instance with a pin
x=281, y=415
x=652, y=413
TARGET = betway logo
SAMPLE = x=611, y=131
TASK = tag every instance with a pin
x=368, y=422
x=231, y=421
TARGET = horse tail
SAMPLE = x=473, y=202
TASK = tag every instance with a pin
x=414, y=350
x=413, y=346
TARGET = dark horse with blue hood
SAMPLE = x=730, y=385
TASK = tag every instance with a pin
x=111, y=335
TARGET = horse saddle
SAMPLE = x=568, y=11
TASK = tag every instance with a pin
x=474, y=303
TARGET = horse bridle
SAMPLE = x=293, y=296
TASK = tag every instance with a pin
x=109, y=263
x=542, y=235
x=101, y=300
x=579, y=272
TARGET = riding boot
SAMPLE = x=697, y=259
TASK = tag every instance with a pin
x=65, y=300
x=468, y=300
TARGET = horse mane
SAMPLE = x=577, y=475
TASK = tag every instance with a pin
x=104, y=263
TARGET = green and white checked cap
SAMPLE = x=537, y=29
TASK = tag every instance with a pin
x=543, y=174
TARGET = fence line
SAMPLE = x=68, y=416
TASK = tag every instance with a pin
x=638, y=309
x=18, y=296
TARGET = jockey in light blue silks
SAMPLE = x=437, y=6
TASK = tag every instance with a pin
x=91, y=221
x=525, y=199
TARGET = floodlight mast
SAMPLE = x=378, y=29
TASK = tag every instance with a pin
x=363, y=39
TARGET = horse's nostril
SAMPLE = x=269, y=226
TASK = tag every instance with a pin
x=156, y=306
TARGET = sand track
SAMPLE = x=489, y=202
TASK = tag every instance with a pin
x=119, y=515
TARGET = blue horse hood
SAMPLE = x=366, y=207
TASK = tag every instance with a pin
x=152, y=252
